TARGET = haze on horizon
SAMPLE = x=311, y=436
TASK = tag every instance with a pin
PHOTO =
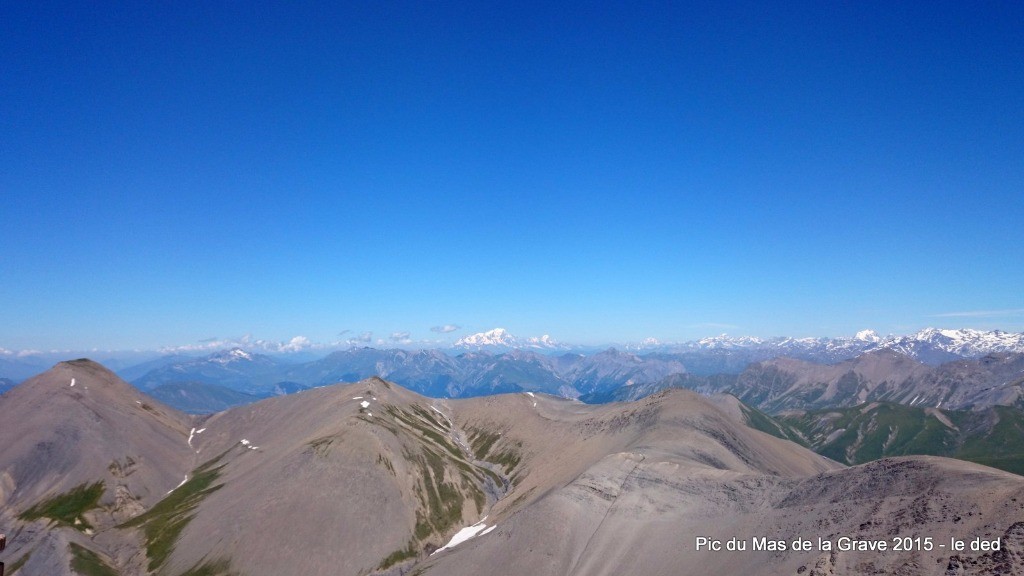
x=178, y=173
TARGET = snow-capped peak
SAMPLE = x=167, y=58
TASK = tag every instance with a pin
x=648, y=344
x=970, y=342
x=544, y=342
x=868, y=336
x=499, y=337
x=233, y=355
x=931, y=345
x=725, y=342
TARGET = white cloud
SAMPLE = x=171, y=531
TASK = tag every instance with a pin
x=400, y=337
x=446, y=328
x=247, y=342
x=297, y=343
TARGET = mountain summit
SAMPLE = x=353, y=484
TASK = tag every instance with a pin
x=78, y=425
x=497, y=338
x=500, y=339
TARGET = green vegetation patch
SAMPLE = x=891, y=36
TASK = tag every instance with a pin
x=993, y=437
x=398, y=556
x=69, y=507
x=88, y=563
x=163, y=523
x=481, y=442
x=428, y=415
x=414, y=423
x=760, y=421
x=494, y=475
x=508, y=458
x=865, y=434
x=1002, y=446
x=1013, y=464
x=441, y=501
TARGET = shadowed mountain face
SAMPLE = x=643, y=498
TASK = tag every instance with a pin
x=883, y=376
x=993, y=436
x=201, y=398
x=996, y=379
x=370, y=478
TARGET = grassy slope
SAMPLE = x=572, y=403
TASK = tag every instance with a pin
x=163, y=523
x=864, y=433
x=68, y=508
x=88, y=563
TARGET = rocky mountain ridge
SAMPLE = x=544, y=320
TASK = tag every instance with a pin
x=371, y=478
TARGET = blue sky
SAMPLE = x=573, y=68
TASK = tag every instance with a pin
x=597, y=173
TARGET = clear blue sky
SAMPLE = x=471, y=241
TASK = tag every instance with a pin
x=599, y=173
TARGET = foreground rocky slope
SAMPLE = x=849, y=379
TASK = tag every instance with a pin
x=641, y=506
x=370, y=478
x=82, y=451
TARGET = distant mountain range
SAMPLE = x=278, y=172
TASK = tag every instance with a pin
x=772, y=374
x=930, y=346
x=893, y=372
x=429, y=372
x=783, y=384
x=235, y=369
x=719, y=354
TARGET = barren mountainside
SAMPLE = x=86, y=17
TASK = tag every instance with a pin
x=371, y=478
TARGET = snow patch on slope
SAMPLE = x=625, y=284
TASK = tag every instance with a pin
x=478, y=529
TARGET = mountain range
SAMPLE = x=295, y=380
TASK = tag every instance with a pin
x=429, y=372
x=772, y=385
x=993, y=436
x=930, y=345
x=720, y=354
x=371, y=478
x=881, y=376
x=774, y=374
